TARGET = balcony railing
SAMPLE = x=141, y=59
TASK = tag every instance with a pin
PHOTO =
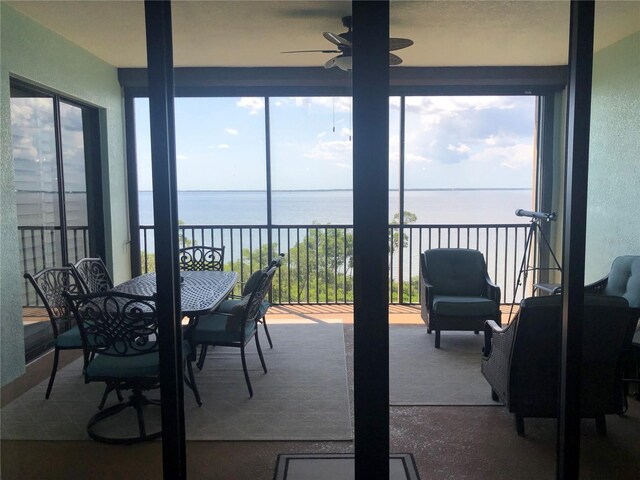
x=318, y=262
x=40, y=248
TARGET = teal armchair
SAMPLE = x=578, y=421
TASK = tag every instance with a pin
x=456, y=291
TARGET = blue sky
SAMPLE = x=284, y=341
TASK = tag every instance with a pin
x=450, y=142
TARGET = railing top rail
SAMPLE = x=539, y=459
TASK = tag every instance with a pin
x=332, y=225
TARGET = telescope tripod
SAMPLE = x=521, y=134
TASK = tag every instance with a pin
x=525, y=266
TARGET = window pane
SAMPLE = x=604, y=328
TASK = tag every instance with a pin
x=36, y=180
x=469, y=159
x=311, y=160
x=75, y=181
x=220, y=154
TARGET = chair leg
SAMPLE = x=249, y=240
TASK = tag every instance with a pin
x=476, y=332
x=246, y=372
x=266, y=330
x=601, y=425
x=54, y=370
x=520, y=425
x=437, y=338
x=264, y=366
x=494, y=396
x=191, y=383
x=105, y=394
x=203, y=354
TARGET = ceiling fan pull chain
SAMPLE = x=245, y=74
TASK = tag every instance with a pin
x=333, y=113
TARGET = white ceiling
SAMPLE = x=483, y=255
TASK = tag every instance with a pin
x=253, y=33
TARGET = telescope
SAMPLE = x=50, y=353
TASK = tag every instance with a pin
x=549, y=217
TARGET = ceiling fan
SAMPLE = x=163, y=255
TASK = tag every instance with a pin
x=343, y=42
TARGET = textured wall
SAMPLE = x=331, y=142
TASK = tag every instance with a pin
x=613, y=214
x=36, y=54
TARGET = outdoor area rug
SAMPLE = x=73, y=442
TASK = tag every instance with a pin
x=324, y=466
x=303, y=396
x=421, y=374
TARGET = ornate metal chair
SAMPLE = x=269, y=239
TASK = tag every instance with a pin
x=236, y=327
x=122, y=330
x=457, y=293
x=50, y=284
x=201, y=258
x=521, y=361
x=249, y=285
x=93, y=274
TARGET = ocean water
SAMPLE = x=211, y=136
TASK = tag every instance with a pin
x=336, y=207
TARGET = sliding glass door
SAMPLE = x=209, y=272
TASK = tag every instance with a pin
x=52, y=145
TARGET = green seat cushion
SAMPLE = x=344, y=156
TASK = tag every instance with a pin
x=70, y=339
x=127, y=366
x=214, y=328
x=228, y=305
x=252, y=282
x=463, y=306
x=146, y=365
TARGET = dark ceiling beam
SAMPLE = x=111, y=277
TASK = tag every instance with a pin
x=196, y=81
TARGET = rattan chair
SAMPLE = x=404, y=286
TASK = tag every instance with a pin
x=234, y=328
x=50, y=284
x=521, y=361
x=93, y=274
x=456, y=291
x=201, y=258
x=122, y=330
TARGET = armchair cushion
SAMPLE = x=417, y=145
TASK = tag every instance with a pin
x=456, y=272
x=461, y=306
x=624, y=279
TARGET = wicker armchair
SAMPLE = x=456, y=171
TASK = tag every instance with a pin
x=521, y=361
x=457, y=293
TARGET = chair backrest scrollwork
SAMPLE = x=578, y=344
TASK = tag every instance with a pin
x=116, y=324
x=93, y=274
x=201, y=258
x=50, y=285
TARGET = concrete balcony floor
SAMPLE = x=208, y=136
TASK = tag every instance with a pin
x=451, y=442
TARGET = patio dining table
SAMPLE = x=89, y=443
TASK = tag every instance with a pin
x=200, y=291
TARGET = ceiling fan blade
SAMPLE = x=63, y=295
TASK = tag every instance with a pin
x=312, y=51
x=331, y=63
x=336, y=39
x=398, y=43
x=394, y=59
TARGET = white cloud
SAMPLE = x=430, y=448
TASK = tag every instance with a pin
x=181, y=157
x=231, y=131
x=337, y=150
x=491, y=140
x=343, y=165
x=223, y=146
x=413, y=158
x=340, y=104
x=461, y=148
x=513, y=157
x=452, y=106
x=321, y=134
x=254, y=104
